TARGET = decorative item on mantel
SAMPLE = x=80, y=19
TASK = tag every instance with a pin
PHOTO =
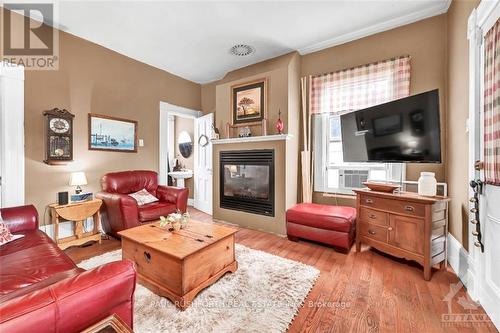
x=215, y=132
x=245, y=132
x=279, y=124
x=264, y=126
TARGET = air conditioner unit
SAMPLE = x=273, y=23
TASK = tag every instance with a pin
x=352, y=178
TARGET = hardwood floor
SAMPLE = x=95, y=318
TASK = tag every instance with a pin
x=356, y=292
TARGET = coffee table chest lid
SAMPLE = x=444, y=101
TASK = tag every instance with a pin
x=178, y=244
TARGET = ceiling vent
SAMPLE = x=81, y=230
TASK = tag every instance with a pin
x=241, y=50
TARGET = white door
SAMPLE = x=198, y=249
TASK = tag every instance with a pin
x=484, y=248
x=203, y=164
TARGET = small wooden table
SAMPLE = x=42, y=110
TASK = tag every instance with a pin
x=179, y=264
x=77, y=212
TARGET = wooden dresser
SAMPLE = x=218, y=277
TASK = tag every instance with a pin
x=404, y=225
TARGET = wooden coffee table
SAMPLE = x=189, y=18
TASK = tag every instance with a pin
x=179, y=264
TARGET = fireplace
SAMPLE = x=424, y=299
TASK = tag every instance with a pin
x=247, y=181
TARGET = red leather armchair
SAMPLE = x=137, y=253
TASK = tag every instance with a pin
x=42, y=290
x=120, y=211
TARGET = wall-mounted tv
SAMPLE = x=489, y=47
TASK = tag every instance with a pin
x=404, y=130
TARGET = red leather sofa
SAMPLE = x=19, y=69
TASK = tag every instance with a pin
x=120, y=211
x=42, y=290
x=332, y=225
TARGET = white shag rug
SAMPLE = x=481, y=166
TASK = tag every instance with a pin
x=263, y=295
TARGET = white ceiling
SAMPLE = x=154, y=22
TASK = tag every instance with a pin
x=192, y=39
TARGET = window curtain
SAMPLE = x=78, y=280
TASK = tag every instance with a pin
x=360, y=87
x=492, y=106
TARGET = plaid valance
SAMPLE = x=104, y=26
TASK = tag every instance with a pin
x=492, y=105
x=360, y=87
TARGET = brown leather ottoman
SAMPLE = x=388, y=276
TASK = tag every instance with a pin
x=332, y=225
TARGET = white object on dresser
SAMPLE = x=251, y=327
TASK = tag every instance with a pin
x=427, y=184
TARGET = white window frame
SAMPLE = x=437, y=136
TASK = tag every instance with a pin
x=395, y=171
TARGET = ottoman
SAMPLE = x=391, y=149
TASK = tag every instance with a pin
x=332, y=225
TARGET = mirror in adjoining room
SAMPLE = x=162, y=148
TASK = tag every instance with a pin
x=185, y=144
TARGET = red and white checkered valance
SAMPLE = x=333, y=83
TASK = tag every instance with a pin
x=360, y=87
x=492, y=105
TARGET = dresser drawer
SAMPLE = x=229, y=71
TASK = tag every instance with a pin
x=393, y=206
x=373, y=216
x=373, y=231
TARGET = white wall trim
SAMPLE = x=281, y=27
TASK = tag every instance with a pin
x=191, y=202
x=167, y=110
x=67, y=228
x=258, y=138
x=430, y=11
x=12, y=158
x=458, y=258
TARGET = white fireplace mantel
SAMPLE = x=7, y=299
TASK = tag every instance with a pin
x=260, y=138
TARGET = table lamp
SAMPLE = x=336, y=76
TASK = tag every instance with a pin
x=77, y=179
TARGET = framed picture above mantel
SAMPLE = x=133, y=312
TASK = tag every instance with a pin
x=112, y=134
x=248, y=103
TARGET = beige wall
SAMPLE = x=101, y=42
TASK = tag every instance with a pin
x=95, y=79
x=282, y=74
x=277, y=94
x=457, y=101
x=424, y=41
x=185, y=124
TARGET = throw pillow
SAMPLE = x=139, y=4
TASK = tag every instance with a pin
x=143, y=197
x=5, y=235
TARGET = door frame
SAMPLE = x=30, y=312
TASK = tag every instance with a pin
x=12, y=159
x=167, y=111
x=480, y=21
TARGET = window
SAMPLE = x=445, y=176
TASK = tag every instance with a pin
x=344, y=92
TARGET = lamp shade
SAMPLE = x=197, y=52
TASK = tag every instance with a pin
x=77, y=178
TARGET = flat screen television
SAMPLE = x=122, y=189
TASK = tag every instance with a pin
x=404, y=130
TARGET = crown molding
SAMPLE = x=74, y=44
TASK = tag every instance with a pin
x=379, y=27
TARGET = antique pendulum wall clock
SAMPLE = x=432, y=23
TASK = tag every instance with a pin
x=58, y=136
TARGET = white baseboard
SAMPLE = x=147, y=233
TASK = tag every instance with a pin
x=191, y=202
x=66, y=229
x=458, y=258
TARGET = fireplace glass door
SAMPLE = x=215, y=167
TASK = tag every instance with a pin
x=247, y=181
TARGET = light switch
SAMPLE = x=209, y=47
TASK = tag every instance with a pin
x=141, y=143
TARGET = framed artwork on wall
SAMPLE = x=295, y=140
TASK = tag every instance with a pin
x=248, y=103
x=112, y=134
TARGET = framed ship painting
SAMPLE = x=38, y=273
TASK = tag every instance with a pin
x=112, y=134
x=248, y=103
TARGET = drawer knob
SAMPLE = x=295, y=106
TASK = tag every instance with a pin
x=409, y=208
x=371, y=232
x=372, y=216
x=369, y=201
x=473, y=199
x=474, y=221
x=475, y=233
x=147, y=257
x=477, y=244
x=473, y=210
x=390, y=228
